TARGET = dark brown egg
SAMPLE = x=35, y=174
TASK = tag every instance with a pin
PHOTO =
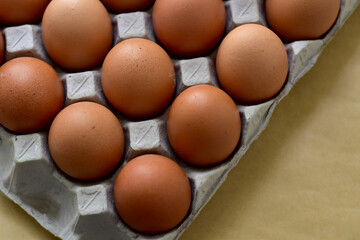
x=189, y=28
x=86, y=141
x=31, y=94
x=77, y=34
x=17, y=12
x=301, y=19
x=252, y=64
x=127, y=5
x=152, y=194
x=203, y=125
x=138, y=78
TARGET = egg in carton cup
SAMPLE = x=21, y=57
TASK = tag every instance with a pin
x=75, y=210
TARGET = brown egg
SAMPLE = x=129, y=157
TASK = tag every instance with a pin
x=252, y=64
x=86, y=141
x=138, y=78
x=17, y=12
x=301, y=19
x=152, y=194
x=127, y=5
x=31, y=94
x=189, y=28
x=203, y=125
x=77, y=34
x=2, y=48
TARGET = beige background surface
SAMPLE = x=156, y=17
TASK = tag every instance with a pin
x=299, y=181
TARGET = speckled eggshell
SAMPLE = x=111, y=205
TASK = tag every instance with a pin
x=127, y=5
x=138, y=78
x=301, y=19
x=31, y=94
x=189, y=28
x=86, y=141
x=17, y=12
x=152, y=194
x=252, y=64
x=203, y=125
x=77, y=34
x=2, y=47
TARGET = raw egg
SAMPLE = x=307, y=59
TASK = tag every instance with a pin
x=252, y=64
x=2, y=47
x=77, y=34
x=152, y=194
x=301, y=19
x=31, y=94
x=189, y=28
x=138, y=78
x=127, y=5
x=86, y=141
x=17, y=12
x=203, y=125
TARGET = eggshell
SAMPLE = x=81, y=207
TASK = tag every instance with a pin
x=31, y=94
x=127, y=5
x=77, y=34
x=138, y=78
x=301, y=19
x=17, y=12
x=203, y=125
x=252, y=64
x=86, y=141
x=152, y=194
x=2, y=48
x=189, y=28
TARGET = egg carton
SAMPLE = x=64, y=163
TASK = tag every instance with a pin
x=75, y=210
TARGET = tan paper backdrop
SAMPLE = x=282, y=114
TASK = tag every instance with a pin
x=299, y=181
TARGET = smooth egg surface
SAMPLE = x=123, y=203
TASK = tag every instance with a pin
x=86, y=141
x=189, y=28
x=252, y=64
x=31, y=94
x=138, y=78
x=77, y=34
x=17, y=12
x=301, y=19
x=203, y=125
x=152, y=194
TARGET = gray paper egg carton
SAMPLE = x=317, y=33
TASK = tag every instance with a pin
x=75, y=210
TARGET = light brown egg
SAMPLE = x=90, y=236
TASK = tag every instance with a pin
x=301, y=19
x=189, y=28
x=17, y=12
x=86, y=141
x=2, y=48
x=152, y=194
x=77, y=34
x=138, y=78
x=31, y=94
x=203, y=125
x=252, y=64
x=127, y=5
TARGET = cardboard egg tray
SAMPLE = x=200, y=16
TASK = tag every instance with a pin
x=75, y=210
